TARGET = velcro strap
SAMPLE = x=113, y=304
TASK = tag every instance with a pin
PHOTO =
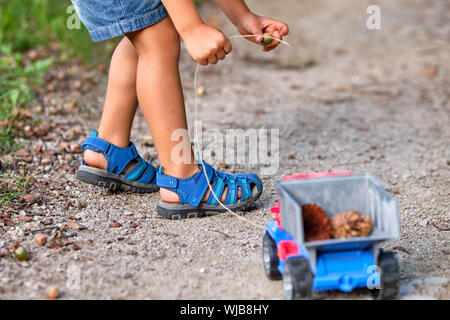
x=166, y=182
x=148, y=174
x=133, y=150
x=201, y=185
x=137, y=171
x=96, y=144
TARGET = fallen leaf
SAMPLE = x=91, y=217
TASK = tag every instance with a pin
x=400, y=248
x=65, y=146
x=76, y=148
x=260, y=112
x=442, y=226
x=47, y=221
x=76, y=226
x=115, y=224
x=24, y=218
x=7, y=222
x=393, y=191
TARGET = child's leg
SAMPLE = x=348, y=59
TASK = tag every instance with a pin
x=120, y=102
x=160, y=95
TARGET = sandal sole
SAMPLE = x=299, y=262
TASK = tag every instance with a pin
x=112, y=181
x=186, y=211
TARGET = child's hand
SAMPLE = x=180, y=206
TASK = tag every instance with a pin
x=206, y=44
x=254, y=24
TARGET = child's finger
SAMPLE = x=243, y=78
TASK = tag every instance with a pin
x=220, y=54
x=203, y=62
x=284, y=30
x=227, y=47
x=212, y=59
x=276, y=34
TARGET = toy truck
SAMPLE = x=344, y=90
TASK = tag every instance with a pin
x=334, y=264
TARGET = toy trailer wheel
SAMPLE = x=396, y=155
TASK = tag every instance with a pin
x=297, y=279
x=389, y=277
x=270, y=258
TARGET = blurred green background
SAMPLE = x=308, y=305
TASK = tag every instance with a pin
x=27, y=26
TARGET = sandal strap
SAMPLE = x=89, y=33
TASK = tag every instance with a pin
x=117, y=158
x=149, y=175
x=142, y=172
x=190, y=190
x=246, y=191
x=232, y=191
x=136, y=172
x=218, y=187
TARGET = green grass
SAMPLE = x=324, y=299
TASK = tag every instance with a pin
x=11, y=189
x=15, y=91
x=28, y=24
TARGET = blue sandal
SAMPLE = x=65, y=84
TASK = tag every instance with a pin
x=141, y=178
x=191, y=191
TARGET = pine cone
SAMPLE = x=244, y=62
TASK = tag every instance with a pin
x=350, y=224
x=316, y=224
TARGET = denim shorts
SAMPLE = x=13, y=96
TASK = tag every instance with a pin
x=106, y=19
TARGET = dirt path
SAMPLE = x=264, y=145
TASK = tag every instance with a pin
x=344, y=97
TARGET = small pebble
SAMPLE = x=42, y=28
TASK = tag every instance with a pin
x=201, y=91
x=46, y=161
x=47, y=221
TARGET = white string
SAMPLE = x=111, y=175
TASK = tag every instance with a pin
x=196, y=136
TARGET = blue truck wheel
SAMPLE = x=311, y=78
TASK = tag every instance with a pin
x=389, y=277
x=297, y=279
x=270, y=258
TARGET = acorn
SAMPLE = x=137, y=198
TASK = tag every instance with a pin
x=266, y=40
x=52, y=293
x=21, y=254
x=41, y=239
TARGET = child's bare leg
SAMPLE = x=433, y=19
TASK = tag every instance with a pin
x=161, y=97
x=120, y=102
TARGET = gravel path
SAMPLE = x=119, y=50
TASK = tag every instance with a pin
x=343, y=98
